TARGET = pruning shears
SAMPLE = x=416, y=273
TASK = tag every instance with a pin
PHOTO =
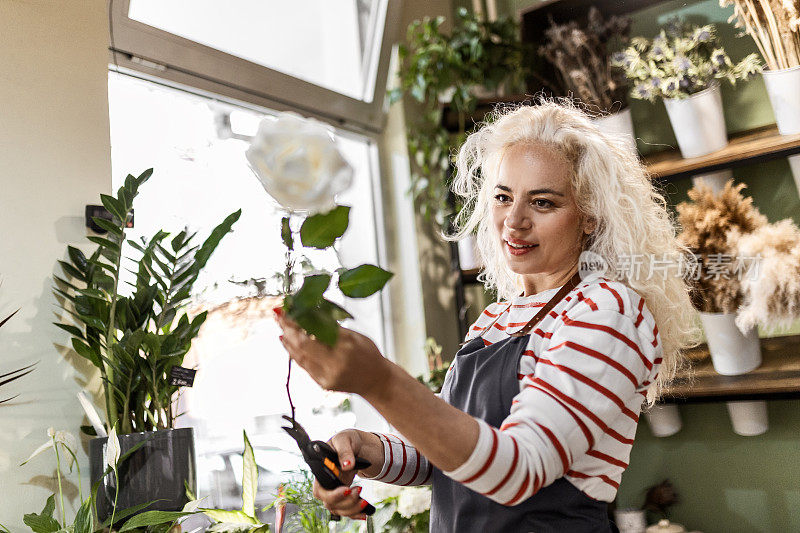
x=323, y=460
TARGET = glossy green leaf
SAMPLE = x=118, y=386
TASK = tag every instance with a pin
x=105, y=243
x=84, y=519
x=108, y=226
x=152, y=518
x=249, y=478
x=318, y=322
x=310, y=294
x=77, y=257
x=85, y=351
x=44, y=521
x=286, y=233
x=322, y=230
x=113, y=206
x=363, y=281
x=69, y=328
x=335, y=310
x=234, y=517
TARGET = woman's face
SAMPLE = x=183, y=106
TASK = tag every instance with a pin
x=535, y=216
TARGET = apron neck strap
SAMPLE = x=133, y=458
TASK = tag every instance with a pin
x=557, y=297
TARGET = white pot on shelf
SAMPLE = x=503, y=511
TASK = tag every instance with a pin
x=618, y=124
x=749, y=418
x=732, y=352
x=783, y=88
x=468, y=256
x=664, y=420
x=698, y=122
x=699, y=125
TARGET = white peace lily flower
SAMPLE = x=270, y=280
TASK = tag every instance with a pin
x=65, y=438
x=112, y=449
x=298, y=163
x=413, y=501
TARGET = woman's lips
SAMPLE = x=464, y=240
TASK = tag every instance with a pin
x=519, y=251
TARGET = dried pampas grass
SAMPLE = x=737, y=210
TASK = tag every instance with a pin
x=775, y=27
x=772, y=299
x=711, y=225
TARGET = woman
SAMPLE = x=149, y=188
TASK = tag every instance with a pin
x=538, y=411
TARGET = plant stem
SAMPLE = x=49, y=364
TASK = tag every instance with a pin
x=60, y=490
x=116, y=495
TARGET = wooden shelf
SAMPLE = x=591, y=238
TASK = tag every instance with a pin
x=746, y=148
x=778, y=377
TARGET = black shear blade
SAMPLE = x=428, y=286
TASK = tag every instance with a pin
x=297, y=432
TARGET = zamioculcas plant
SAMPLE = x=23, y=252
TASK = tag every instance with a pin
x=135, y=339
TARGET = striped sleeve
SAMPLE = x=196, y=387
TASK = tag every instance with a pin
x=402, y=464
x=587, y=385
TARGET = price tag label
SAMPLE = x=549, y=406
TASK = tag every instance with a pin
x=181, y=377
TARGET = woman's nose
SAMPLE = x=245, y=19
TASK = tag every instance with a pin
x=517, y=217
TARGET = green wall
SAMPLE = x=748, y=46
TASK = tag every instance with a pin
x=727, y=483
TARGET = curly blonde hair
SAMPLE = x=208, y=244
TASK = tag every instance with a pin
x=610, y=185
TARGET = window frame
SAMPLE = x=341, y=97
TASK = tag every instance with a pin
x=155, y=53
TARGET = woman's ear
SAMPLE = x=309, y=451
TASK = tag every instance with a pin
x=589, y=225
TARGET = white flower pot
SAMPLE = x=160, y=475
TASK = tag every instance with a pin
x=698, y=122
x=732, y=353
x=783, y=88
x=618, y=124
x=748, y=418
x=631, y=520
x=468, y=256
x=664, y=420
x=715, y=180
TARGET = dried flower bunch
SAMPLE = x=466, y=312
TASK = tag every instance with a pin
x=711, y=226
x=772, y=299
x=775, y=27
x=581, y=55
x=680, y=61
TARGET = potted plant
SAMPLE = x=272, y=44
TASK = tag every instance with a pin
x=712, y=226
x=137, y=341
x=682, y=66
x=664, y=420
x=775, y=28
x=581, y=56
x=477, y=59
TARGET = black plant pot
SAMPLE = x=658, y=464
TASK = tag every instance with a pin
x=155, y=471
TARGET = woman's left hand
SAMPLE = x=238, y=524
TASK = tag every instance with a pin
x=354, y=364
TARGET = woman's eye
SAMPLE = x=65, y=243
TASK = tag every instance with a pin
x=542, y=203
x=502, y=198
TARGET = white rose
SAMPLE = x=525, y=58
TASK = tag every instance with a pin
x=413, y=501
x=298, y=163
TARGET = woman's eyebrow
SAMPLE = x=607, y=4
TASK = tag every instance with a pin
x=532, y=192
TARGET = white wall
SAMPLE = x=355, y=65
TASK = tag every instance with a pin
x=54, y=159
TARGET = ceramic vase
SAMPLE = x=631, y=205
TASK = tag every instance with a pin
x=783, y=88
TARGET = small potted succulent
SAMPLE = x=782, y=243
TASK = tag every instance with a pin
x=581, y=55
x=137, y=339
x=682, y=65
x=775, y=28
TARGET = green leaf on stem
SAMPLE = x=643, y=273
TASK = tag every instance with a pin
x=363, y=281
x=286, y=233
x=310, y=294
x=318, y=322
x=322, y=230
x=84, y=519
x=43, y=522
x=152, y=518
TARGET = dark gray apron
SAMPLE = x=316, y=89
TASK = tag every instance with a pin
x=482, y=383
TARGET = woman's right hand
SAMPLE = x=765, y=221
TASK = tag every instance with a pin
x=349, y=444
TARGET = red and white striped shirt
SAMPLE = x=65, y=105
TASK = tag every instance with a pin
x=582, y=379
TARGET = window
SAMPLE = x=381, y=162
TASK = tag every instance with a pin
x=196, y=148
x=326, y=57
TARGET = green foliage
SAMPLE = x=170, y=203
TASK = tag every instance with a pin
x=680, y=61
x=135, y=340
x=477, y=53
x=243, y=521
x=44, y=521
x=310, y=515
x=363, y=281
x=322, y=230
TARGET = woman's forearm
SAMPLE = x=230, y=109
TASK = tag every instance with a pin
x=445, y=435
x=372, y=451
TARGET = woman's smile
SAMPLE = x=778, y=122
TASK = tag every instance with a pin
x=518, y=247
